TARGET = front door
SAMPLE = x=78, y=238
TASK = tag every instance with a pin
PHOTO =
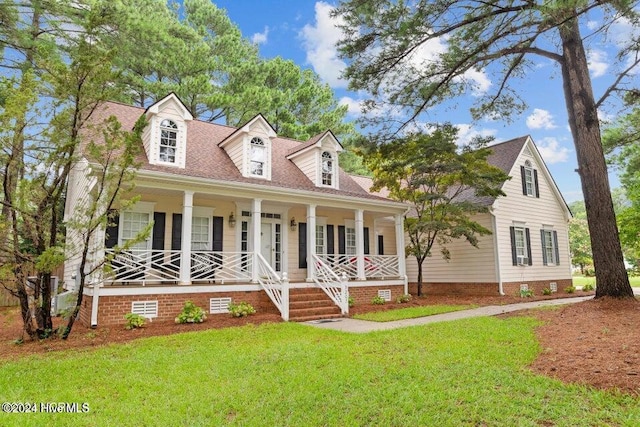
x=270, y=244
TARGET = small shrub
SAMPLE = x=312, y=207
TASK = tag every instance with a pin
x=191, y=313
x=134, y=321
x=570, y=289
x=526, y=293
x=241, y=309
x=546, y=291
x=589, y=272
x=588, y=287
x=351, y=301
x=403, y=299
x=377, y=300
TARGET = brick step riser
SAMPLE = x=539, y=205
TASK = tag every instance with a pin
x=309, y=297
x=310, y=304
x=308, y=318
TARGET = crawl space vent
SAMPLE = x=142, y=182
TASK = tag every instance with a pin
x=219, y=305
x=385, y=294
x=553, y=286
x=148, y=309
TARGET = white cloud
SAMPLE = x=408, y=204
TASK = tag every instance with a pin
x=320, y=43
x=466, y=133
x=260, y=38
x=551, y=150
x=354, y=106
x=598, y=62
x=540, y=119
x=592, y=25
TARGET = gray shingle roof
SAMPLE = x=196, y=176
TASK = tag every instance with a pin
x=204, y=159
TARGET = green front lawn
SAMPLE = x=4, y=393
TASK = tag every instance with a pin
x=410, y=312
x=463, y=373
x=582, y=280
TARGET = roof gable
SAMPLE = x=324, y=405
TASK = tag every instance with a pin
x=317, y=141
x=256, y=122
x=171, y=99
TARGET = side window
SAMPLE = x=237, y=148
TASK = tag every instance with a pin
x=168, y=141
x=529, y=177
x=520, y=245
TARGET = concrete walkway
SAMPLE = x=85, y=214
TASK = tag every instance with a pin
x=363, y=326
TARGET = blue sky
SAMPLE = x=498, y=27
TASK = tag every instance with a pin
x=302, y=31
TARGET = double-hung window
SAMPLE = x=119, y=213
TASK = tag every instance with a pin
x=200, y=233
x=327, y=168
x=550, y=252
x=257, y=158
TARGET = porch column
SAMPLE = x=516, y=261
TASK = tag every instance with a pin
x=187, y=219
x=311, y=242
x=360, y=244
x=402, y=265
x=256, y=238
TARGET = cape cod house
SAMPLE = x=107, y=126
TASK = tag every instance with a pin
x=238, y=214
x=529, y=245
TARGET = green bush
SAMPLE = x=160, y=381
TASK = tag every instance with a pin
x=546, y=291
x=377, y=300
x=526, y=293
x=403, y=299
x=241, y=309
x=588, y=287
x=134, y=321
x=351, y=301
x=570, y=289
x=191, y=313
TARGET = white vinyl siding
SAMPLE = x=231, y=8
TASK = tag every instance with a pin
x=307, y=163
x=467, y=264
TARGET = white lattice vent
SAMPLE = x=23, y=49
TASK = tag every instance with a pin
x=147, y=309
x=219, y=305
x=553, y=286
x=524, y=287
x=385, y=294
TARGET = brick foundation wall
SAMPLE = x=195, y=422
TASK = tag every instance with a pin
x=513, y=288
x=364, y=295
x=113, y=308
x=479, y=289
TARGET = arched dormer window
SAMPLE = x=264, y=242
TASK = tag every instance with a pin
x=168, y=141
x=257, y=158
x=327, y=168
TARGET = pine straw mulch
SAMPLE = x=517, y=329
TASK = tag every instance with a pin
x=596, y=342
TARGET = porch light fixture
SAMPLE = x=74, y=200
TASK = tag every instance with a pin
x=293, y=224
x=232, y=220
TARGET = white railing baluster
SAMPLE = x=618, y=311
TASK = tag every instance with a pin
x=276, y=288
x=334, y=286
x=375, y=266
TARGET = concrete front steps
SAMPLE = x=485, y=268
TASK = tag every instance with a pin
x=311, y=304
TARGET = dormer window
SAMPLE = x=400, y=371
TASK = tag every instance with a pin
x=258, y=157
x=168, y=141
x=327, y=168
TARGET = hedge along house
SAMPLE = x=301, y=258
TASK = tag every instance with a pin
x=239, y=214
x=529, y=245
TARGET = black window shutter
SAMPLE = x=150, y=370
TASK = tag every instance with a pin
x=514, y=254
x=535, y=182
x=365, y=236
x=176, y=232
x=528, y=236
x=302, y=245
x=342, y=247
x=217, y=233
x=157, y=242
x=544, y=245
x=111, y=233
x=524, y=181
x=330, y=240
x=380, y=244
x=555, y=245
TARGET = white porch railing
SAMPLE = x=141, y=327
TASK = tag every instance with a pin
x=221, y=266
x=142, y=265
x=276, y=288
x=375, y=266
x=333, y=285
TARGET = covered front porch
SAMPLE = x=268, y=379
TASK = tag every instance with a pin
x=212, y=241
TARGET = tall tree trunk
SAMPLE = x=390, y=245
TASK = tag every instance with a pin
x=611, y=275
